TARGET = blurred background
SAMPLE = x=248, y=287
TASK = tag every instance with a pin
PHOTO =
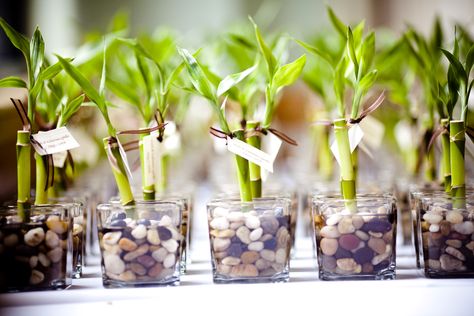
x=65, y=23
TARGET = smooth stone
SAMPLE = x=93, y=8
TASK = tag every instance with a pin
x=328, y=262
x=155, y=271
x=44, y=260
x=470, y=245
x=388, y=237
x=342, y=253
x=363, y=255
x=329, y=246
x=454, y=217
x=376, y=235
x=160, y=254
x=465, y=228
x=220, y=254
x=234, y=250
x=345, y=225
x=118, y=223
x=144, y=221
x=33, y=261
x=249, y=257
x=379, y=258
x=434, y=253
x=454, y=243
x=139, y=232
x=448, y=263
x=51, y=239
x=36, y=277
x=244, y=270
x=268, y=255
x=252, y=222
x=56, y=225
x=112, y=249
x=127, y=244
x=141, y=250
x=221, y=244
x=243, y=233
x=146, y=260
x=166, y=273
x=111, y=238
x=434, y=228
x=77, y=229
x=367, y=267
x=34, y=236
x=137, y=268
x=231, y=261
x=346, y=264
x=329, y=232
x=223, y=269
x=164, y=233
x=333, y=219
x=127, y=276
x=256, y=246
x=445, y=227
x=256, y=234
x=10, y=240
x=113, y=264
x=283, y=237
x=235, y=225
x=270, y=244
x=262, y=264
x=55, y=255
x=284, y=221
x=281, y=256
x=434, y=264
x=119, y=216
x=432, y=218
x=455, y=253
x=171, y=245
x=236, y=217
x=169, y=261
x=349, y=242
x=220, y=223
x=378, y=245
x=362, y=235
x=226, y=233
x=377, y=225
x=357, y=221
x=220, y=211
x=269, y=224
x=153, y=237
x=266, y=237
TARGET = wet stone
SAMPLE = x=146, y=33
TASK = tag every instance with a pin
x=146, y=260
x=434, y=253
x=55, y=255
x=346, y=264
x=454, y=243
x=139, y=232
x=376, y=244
x=449, y=263
x=465, y=228
x=329, y=246
x=363, y=255
x=137, y=268
x=270, y=244
x=252, y=222
x=455, y=253
x=113, y=264
x=342, y=253
x=118, y=223
x=51, y=239
x=284, y=221
x=345, y=226
x=144, y=221
x=255, y=246
x=36, y=277
x=111, y=238
x=329, y=232
x=328, y=262
x=34, y=236
x=377, y=225
x=244, y=270
x=434, y=264
x=349, y=242
x=234, y=250
x=445, y=228
x=164, y=233
x=119, y=216
x=127, y=244
x=249, y=257
x=454, y=217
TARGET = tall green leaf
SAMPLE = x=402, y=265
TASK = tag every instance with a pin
x=289, y=73
x=265, y=50
x=458, y=68
x=368, y=81
x=46, y=74
x=318, y=52
x=338, y=25
x=469, y=59
x=36, y=53
x=12, y=82
x=70, y=109
x=231, y=80
x=352, y=51
x=18, y=40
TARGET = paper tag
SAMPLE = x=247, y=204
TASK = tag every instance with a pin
x=59, y=159
x=124, y=159
x=355, y=137
x=148, y=163
x=373, y=131
x=250, y=153
x=271, y=144
x=54, y=141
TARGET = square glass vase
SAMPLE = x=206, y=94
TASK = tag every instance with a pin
x=250, y=241
x=140, y=244
x=35, y=248
x=446, y=230
x=355, y=239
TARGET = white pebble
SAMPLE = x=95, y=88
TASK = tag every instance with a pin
x=268, y=255
x=113, y=264
x=111, y=238
x=220, y=223
x=454, y=217
x=220, y=212
x=432, y=218
x=55, y=255
x=34, y=236
x=51, y=239
x=36, y=277
x=139, y=232
x=252, y=222
x=244, y=234
x=465, y=228
x=44, y=260
x=160, y=254
x=169, y=261
x=166, y=221
x=221, y=244
x=434, y=228
x=256, y=234
x=153, y=237
x=333, y=219
x=330, y=232
x=236, y=217
x=231, y=261
x=255, y=246
x=171, y=245
x=281, y=256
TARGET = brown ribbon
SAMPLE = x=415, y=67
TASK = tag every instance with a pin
x=132, y=145
x=439, y=131
x=111, y=141
x=219, y=134
x=25, y=121
x=143, y=130
x=275, y=132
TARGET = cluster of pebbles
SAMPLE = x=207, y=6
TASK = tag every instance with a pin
x=360, y=244
x=143, y=251
x=78, y=249
x=246, y=245
x=448, y=242
x=34, y=255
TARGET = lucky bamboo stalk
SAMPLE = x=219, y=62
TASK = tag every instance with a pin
x=255, y=172
x=457, y=132
x=148, y=180
x=41, y=192
x=446, y=156
x=348, y=183
x=23, y=154
x=243, y=172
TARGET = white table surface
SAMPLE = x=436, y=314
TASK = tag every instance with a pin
x=410, y=294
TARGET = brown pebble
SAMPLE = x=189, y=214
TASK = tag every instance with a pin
x=146, y=261
x=249, y=257
x=244, y=270
x=137, y=268
x=155, y=270
x=445, y=227
x=127, y=244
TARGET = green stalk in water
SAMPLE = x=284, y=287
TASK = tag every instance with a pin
x=23, y=152
x=243, y=172
x=41, y=196
x=445, y=158
x=348, y=184
x=457, y=135
x=255, y=172
x=161, y=184
x=148, y=185
x=325, y=164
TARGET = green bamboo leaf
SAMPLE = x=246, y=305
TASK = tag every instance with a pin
x=45, y=75
x=469, y=59
x=289, y=73
x=316, y=51
x=352, y=51
x=368, y=81
x=18, y=40
x=418, y=58
x=358, y=32
x=367, y=53
x=338, y=25
x=103, y=75
x=232, y=80
x=265, y=51
x=123, y=91
x=437, y=36
x=70, y=109
x=197, y=76
x=12, y=82
x=36, y=53
x=145, y=74
x=242, y=41
x=457, y=66
x=173, y=76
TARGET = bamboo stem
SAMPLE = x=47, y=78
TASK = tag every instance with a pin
x=348, y=185
x=243, y=172
x=255, y=172
x=457, y=135
x=162, y=181
x=148, y=189
x=41, y=194
x=325, y=160
x=445, y=158
x=23, y=158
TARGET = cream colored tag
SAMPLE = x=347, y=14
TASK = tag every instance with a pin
x=59, y=159
x=374, y=131
x=250, y=153
x=355, y=137
x=54, y=141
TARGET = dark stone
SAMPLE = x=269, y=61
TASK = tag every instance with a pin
x=381, y=266
x=328, y=262
x=270, y=244
x=349, y=241
x=342, y=253
x=118, y=223
x=24, y=250
x=284, y=221
x=146, y=261
x=234, y=250
x=377, y=225
x=434, y=253
x=164, y=233
x=445, y=227
x=363, y=255
x=144, y=221
x=269, y=224
x=235, y=239
x=119, y=215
